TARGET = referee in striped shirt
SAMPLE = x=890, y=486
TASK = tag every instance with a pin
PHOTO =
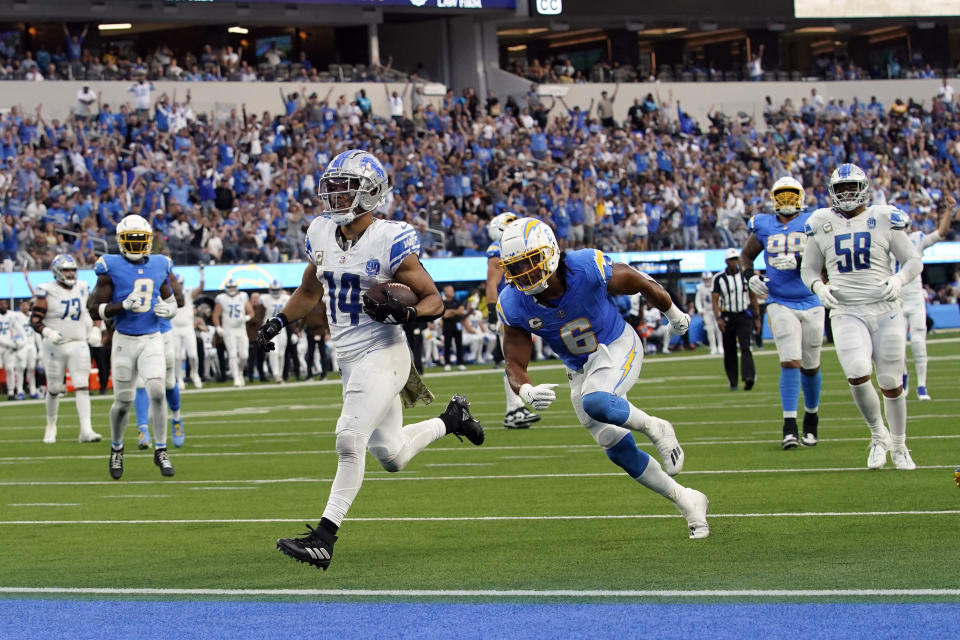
x=737, y=311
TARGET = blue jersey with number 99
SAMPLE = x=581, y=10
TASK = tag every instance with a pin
x=146, y=278
x=780, y=238
x=584, y=317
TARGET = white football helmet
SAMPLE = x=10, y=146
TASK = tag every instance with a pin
x=354, y=183
x=706, y=275
x=788, y=196
x=134, y=237
x=64, y=269
x=275, y=287
x=498, y=224
x=529, y=255
x=848, y=199
x=231, y=287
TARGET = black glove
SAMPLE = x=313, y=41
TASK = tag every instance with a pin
x=390, y=311
x=269, y=331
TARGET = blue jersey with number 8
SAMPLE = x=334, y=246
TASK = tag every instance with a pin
x=146, y=278
x=778, y=239
x=584, y=317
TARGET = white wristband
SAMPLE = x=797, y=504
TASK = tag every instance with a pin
x=101, y=310
x=673, y=313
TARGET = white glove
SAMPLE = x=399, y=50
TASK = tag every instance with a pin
x=95, y=337
x=246, y=318
x=53, y=335
x=539, y=397
x=825, y=293
x=131, y=300
x=6, y=342
x=218, y=330
x=758, y=285
x=679, y=321
x=164, y=309
x=784, y=262
x=891, y=290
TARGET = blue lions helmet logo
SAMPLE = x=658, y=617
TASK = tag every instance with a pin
x=373, y=267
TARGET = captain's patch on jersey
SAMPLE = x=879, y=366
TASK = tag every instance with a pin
x=318, y=257
x=535, y=323
x=827, y=227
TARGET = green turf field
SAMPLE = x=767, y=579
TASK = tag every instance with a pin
x=540, y=509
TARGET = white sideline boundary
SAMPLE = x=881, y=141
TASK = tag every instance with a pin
x=629, y=516
x=400, y=478
x=488, y=593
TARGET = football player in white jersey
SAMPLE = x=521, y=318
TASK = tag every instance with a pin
x=185, y=335
x=274, y=302
x=915, y=301
x=11, y=339
x=230, y=315
x=60, y=315
x=855, y=242
x=703, y=301
x=517, y=416
x=349, y=251
x=26, y=355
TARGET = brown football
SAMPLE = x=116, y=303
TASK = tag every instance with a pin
x=398, y=290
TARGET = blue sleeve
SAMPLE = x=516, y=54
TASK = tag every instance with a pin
x=100, y=267
x=604, y=266
x=404, y=243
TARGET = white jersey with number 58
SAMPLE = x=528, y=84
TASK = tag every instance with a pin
x=347, y=273
x=857, y=255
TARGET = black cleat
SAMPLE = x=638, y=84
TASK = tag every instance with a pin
x=459, y=421
x=116, y=463
x=315, y=547
x=748, y=384
x=162, y=460
x=520, y=418
x=810, y=423
x=789, y=433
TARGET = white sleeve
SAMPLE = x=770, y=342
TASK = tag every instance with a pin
x=906, y=254
x=812, y=263
x=928, y=240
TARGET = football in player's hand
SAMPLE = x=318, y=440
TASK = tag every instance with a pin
x=403, y=294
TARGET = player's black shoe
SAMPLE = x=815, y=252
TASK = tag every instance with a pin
x=116, y=463
x=810, y=423
x=459, y=422
x=520, y=418
x=315, y=547
x=162, y=460
x=789, y=433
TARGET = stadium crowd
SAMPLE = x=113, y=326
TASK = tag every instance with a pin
x=241, y=189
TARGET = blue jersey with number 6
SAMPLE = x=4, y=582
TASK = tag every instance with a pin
x=146, y=278
x=778, y=239
x=583, y=318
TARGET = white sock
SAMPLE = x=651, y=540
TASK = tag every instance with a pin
x=896, y=410
x=918, y=345
x=637, y=420
x=83, y=410
x=514, y=401
x=416, y=438
x=53, y=404
x=654, y=478
x=175, y=414
x=865, y=397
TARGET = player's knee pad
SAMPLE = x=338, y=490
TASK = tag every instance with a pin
x=55, y=388
x=155, y=389
x=607, y=435
x=351, y=445
x=605, y=407
x=125, y=396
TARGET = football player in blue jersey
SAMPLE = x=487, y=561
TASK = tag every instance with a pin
x=566, y=299
x=795, y=313
x=517, y=415
x=133, y=290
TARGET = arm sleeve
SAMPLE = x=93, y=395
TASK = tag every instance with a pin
x=404, y=243
x=812, y=264
x=929, y=240
x=906, y=254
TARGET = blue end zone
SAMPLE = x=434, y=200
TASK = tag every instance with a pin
x=261, y=620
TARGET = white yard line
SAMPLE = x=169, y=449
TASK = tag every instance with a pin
x=489, y=593
x=628, y=516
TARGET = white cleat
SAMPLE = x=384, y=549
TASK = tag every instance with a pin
x=901, y=458
x=922, y=394
x=50, y=435
x=664, y=438
x=89, y=436
x=877, y=457
x=197, y=383
x=693, y=506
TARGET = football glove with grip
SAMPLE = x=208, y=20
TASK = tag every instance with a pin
x=539, y=397
x=785, y=262
x=390, y=311
x=825, y=292
x=758, y=285
x=679, y=321
x=95, y=337
x=891, y=289
x=163, y=309
x=53, y=335
x=270, y=329
x=492, y=316
x=131, y=300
